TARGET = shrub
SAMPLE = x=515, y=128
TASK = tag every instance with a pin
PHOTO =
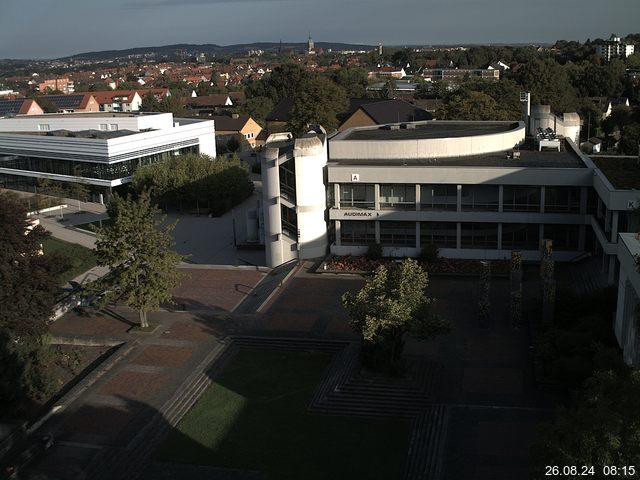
x=429, y=253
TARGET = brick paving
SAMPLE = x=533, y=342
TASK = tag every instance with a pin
x=484, y=367
x=214, y=289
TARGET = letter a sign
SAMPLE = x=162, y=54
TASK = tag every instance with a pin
x=355, y=177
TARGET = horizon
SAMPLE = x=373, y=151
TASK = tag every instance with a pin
x=52, y=31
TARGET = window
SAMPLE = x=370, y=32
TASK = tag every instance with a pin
x=565, y=237
x=480, y=197
x=44, y=127
x=357, y=233
x=113, y=126
x=398, y=196
x=439, y=197
x=518, y=198
x=289, y=222
x=103, y=126
x=520, y=236
x=357, y=196
x=440, y=234
x=562, y=199
x=288, y=180
x=398, y=233
x=479, y=235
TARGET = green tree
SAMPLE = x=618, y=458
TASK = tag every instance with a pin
x=470, y=105
x=257, y=108
x=549, y=84
x=28, y=283
x=318, y=102
x=630, y=139
x=391, y=305
x=137, y=249
x=601, y=428
x=354, y=80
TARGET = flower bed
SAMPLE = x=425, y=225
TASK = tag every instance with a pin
x=455, y=266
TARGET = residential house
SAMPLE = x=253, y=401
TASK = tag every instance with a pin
x=20, y=106
x=384, y=112
x=74, y=103
x=278, y=118
x=241, y=127
x=118, y=100
x=63, y=85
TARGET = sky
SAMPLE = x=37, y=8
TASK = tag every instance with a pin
x=56, y=28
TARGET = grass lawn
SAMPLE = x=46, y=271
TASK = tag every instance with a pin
x=78, y=259
x=254, y=418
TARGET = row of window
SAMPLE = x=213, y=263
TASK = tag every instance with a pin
x=515, y=198
x=472, y=235
x=102, y=171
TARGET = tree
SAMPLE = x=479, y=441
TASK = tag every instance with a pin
x=257, y=108
x=392, y=304
x=549, y=84
x=28, y=283
x=469, y=105
x=137, y=249
x=630, y=139
x=602, y=428
x=354, y=80
x=318, y=102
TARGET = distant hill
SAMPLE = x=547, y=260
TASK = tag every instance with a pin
x=210, y=49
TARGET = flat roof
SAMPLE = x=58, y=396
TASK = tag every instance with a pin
x=95, y=134
x=85, y=114
x=530, y=158
x=622, y=171
x=428, y=129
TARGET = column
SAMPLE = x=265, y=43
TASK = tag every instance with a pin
x=377, y=231
x=418, y=193
x=336, y=195
x=376, y=197
x=459, y=198
x=418, y=241
x=338, y=233
x=458, y=235
x=543, y=191
x=499, y=236
x=500, y=198
x=614, y=226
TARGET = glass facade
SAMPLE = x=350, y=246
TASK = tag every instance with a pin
x=518, y=198
x=287, y=172
x=357, y=233
x=562, y=200
x=479, y=235
x=398, y=234
x=289, y=221
x=440, y=234
x=357, y=195
x=438, y=197
x=398, y=196
x=99, y=171
x=520, y=236
x=565, y=237
x=480, y=198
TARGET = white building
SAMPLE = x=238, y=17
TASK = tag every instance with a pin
x=97, y=149
x=614, y=48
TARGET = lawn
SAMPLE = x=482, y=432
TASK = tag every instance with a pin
x=78, y=259
x=253, y=417
x=91, y=226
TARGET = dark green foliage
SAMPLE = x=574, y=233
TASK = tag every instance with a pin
x=582, y=340
x=257, y=108
x=318, y=101
x=137, y=250
x=602, y=427
x=75, y=259
x=392, y=304
x=429, y=253
x=27, y=287
x=630, y=139
x=353, y=80
x=195, y=182
x=549, y=84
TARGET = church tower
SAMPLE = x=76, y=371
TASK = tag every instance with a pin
x=310, y=45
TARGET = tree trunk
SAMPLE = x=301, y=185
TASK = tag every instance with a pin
x=143, y=319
